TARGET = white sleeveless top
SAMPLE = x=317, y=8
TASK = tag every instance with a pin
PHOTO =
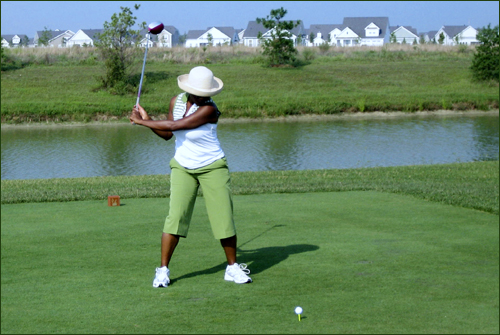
x=198, y=147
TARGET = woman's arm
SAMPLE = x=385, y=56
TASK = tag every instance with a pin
x=204, y=114
x=166, y=135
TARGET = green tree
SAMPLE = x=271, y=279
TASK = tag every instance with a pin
x=25, y=41
x=393, y=38
x=278, y=48
x=44, y=37
x=182, y=38
x=441, y=38
x=311, y=37
x=117, y=47
x=485, y=61
x=422, y=39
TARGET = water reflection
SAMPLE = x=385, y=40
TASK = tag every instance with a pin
x=62, y=152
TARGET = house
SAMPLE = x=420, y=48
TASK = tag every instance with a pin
x=241, y=33
x=14, y=41
x=251, y=39
x=370, y=31
x=252, y=30
x=323, y=33
x=429, y=37
x=213, y=36
x=57, y=38
x=168, y=37
x=84, y=37
x=143, y=39
x=454, y=35
x=404, y=34
x=192, y=38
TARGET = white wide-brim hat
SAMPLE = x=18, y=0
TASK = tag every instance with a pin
x=201, y=82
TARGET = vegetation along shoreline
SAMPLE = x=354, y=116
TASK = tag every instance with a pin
x=288, y=118
x=63, y=85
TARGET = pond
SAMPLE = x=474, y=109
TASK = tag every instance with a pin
x=336, y=143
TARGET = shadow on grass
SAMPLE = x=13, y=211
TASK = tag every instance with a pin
x=258, y=260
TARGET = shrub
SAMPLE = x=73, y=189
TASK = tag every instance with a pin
x=485, y=62
x=278, y=47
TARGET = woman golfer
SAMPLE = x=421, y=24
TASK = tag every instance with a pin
x=198, y=160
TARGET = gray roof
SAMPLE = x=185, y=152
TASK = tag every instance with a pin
x=431, y=34
x=53, y=33
x=453, y=31
x=194, y=34
x=253, y=29
x=10, y=37
x=358, y=24
x=409, y=28
x=170, y=29
x=92, y=32
x=324, y=29
x=229, y=31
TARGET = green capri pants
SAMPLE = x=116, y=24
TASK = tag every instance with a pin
x=215, y=183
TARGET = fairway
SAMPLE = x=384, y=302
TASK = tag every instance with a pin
x=356, y=262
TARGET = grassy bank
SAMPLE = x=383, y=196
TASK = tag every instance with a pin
x=470, y=185
x=335, y=81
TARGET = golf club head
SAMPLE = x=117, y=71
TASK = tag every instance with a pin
x=155, y=27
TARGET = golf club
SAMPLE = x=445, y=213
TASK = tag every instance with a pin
x=153, y=28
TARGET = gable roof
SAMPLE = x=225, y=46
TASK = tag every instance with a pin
x=253, y=29
x=324, y=29
x=453, y=31
x=171, y=29
x=228, y=31
x=53, y=33
x=92, y=33
x=432, y=34
x=10, y=37
x=194, y=34
x=358, y=24
x=409, y=28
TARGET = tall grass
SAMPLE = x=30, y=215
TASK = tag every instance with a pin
x=235, y=54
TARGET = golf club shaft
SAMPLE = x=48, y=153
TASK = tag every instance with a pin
x=143, y=67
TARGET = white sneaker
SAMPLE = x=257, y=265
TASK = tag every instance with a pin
x=161, y=278
x=237, y=273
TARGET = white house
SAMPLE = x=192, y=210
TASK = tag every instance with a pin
x=454, y=35
x=404, y=34
x=251, y=39
x=14, y=40
x=84, y=37
x=213, y=36
x=57, y=38
x=370, y=31
x=323, y=33
x=5, y=42
x=168, y=37
x=143, y=39
x=241, y=33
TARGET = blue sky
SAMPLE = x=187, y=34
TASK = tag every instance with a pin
x=27, y=17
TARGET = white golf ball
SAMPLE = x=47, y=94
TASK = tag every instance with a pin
x=298, y=310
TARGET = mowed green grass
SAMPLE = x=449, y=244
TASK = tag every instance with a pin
x=328, y=85
x=356, y=262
